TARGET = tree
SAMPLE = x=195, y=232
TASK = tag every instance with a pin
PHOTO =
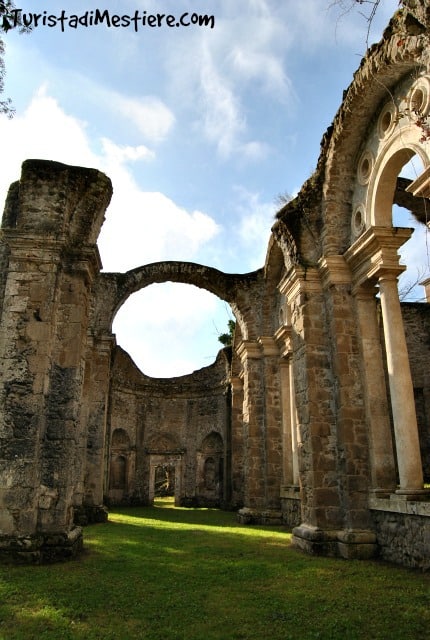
x=8, y=21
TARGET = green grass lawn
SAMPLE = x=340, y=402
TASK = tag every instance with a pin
x=194, y=574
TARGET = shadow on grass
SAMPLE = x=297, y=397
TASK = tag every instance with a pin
x=165, y=511
x=163, y=573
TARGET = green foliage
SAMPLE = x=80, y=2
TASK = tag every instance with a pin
x=227, y=338
x=167, y=574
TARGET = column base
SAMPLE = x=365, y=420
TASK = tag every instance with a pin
x=257, y=516
x=413, y=494
x=41, y=548
x=345, y=543
x=90, y=514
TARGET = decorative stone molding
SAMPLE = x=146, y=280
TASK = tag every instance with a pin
x=268, y=345
x=283, y=339
x=249, y=349
x=334, y=271
x=421, y=186
x=365, y=167
x=387, y=120
x=298, y=281
x=375, y=252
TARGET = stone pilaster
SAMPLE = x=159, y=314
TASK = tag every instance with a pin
x=97, y=382
x=382, y=463
x=321, y=508
x=237, y=443
x=272, y=421
x=253, y=428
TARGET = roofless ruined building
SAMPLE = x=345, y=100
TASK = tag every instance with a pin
x=318, y=416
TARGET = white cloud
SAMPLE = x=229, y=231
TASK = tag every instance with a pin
x=126, y=153
x=150, y=115
x=171, y=329
x=141, y=227
x=256, y=220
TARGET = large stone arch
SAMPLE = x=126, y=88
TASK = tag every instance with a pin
x=239, y=290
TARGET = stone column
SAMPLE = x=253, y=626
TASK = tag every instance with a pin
x=97, y=387
x=287, y=427
x=291, y=437
x=237, y=443
x=382, y=463
x=254, y=437
x=401, y=388
x=373, y=258
x=272, y=424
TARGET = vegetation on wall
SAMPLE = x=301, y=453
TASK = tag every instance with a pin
x=227, y=338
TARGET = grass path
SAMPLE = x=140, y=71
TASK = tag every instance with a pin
x=164, y=573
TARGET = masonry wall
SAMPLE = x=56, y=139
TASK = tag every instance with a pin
x=181, y=424
x=416, y=318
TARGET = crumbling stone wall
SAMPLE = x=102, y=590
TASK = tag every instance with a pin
x=52, y=219
x=181, y=422
x=417, y=328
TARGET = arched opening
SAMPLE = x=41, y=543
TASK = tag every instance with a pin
x=415, y=253
x=172, y=329
x=390, y=250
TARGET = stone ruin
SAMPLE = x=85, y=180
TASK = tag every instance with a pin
x=317, y=417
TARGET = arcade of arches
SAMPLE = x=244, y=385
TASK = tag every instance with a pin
x=317, y=417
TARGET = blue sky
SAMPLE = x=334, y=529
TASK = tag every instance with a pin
x=199, y=129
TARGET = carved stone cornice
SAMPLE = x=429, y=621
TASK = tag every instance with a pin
x=374, y=254
x=300, y=280
x=334, y=270
x=249, y=349
x=268, y=346
x=283, y=339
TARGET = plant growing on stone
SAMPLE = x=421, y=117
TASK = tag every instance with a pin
x=227, y=338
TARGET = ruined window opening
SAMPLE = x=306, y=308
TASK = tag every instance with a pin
x=171, y=329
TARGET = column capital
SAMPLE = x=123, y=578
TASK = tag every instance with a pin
x=374, y=253
x=426, y=285
x=283, y=339
x=249, y=349
x=334, y=270
x=300, y=280
x=236, y=383
x=268, y=346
